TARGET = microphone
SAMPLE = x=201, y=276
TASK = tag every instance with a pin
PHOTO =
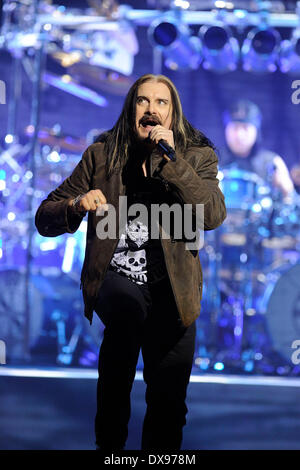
x=167, y=149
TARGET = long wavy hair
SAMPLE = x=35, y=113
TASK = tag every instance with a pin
x=120, y=139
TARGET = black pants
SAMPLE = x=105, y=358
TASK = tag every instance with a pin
x=142, y=317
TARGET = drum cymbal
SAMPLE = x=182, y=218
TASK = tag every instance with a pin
x=55, y=138
x=276, y=243
x=234, y=239
x=98, y=78
x=295, y=174
x=72, y=20
x=94, y=76
x=101, y=79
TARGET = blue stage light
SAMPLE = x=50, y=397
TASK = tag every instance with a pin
x=181, y=50
x=263, y=231
x=48, y=245
x=11, y=216
x=219, y=366
x=202, y=362
x=293, y=217
x=234, y=186
x=279, y=221
x=69, y=255
x=260, y=50
x=15, y=178
x=237, y=331
x=221, y=51
x=2, y=174
x=249, y=366
x=9, y=139
x=266, y=202
x=256, y=207
x=53, y=156
x=243, y=258
x=289, y=57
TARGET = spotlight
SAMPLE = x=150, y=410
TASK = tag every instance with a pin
x=180, y=49
x=221, y=50
x=260, y=50
x=289, y=57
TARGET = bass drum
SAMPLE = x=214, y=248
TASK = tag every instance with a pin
x=283, y=312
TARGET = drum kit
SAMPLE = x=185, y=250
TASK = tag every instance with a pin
x=251, y=298
x=41, y=309
x=250, y=308
x=57, y=330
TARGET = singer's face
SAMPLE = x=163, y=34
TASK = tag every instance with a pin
x=153, y=106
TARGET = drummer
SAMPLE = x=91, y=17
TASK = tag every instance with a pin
x=244, y=151
x=295, y=174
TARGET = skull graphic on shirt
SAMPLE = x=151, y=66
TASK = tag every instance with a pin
x=132, y=262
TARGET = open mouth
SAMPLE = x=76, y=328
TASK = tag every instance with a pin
x=149, y=123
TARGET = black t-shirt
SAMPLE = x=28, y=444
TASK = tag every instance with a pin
x=139, y=256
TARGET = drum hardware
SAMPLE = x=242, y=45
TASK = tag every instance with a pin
x=66, y=349
x=64, y=333
x=98, y=53
x=18, y=42
x=100, y=79
x=12, y=325
x=244, y=280
x=56, y=139
x=67, y=84
x=232, y=293
x=283, y=226
x=108, y=9
x=282, y=302
x=211, y=302
x=11, y=154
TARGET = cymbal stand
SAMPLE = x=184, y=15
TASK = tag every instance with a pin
x=15, y=46
x=15, y=95
x=213, y=292
x=246, y=286
x=34, y=121
x=66, y=349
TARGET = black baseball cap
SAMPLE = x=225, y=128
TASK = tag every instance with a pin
x=243, y=111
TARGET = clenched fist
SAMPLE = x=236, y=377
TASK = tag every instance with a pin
x=90, y=201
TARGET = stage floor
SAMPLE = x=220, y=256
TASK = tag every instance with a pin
x=54, y=409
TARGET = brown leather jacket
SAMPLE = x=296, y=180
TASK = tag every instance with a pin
x=192, y=176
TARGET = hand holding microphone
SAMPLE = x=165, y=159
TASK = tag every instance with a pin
x=164, y=139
